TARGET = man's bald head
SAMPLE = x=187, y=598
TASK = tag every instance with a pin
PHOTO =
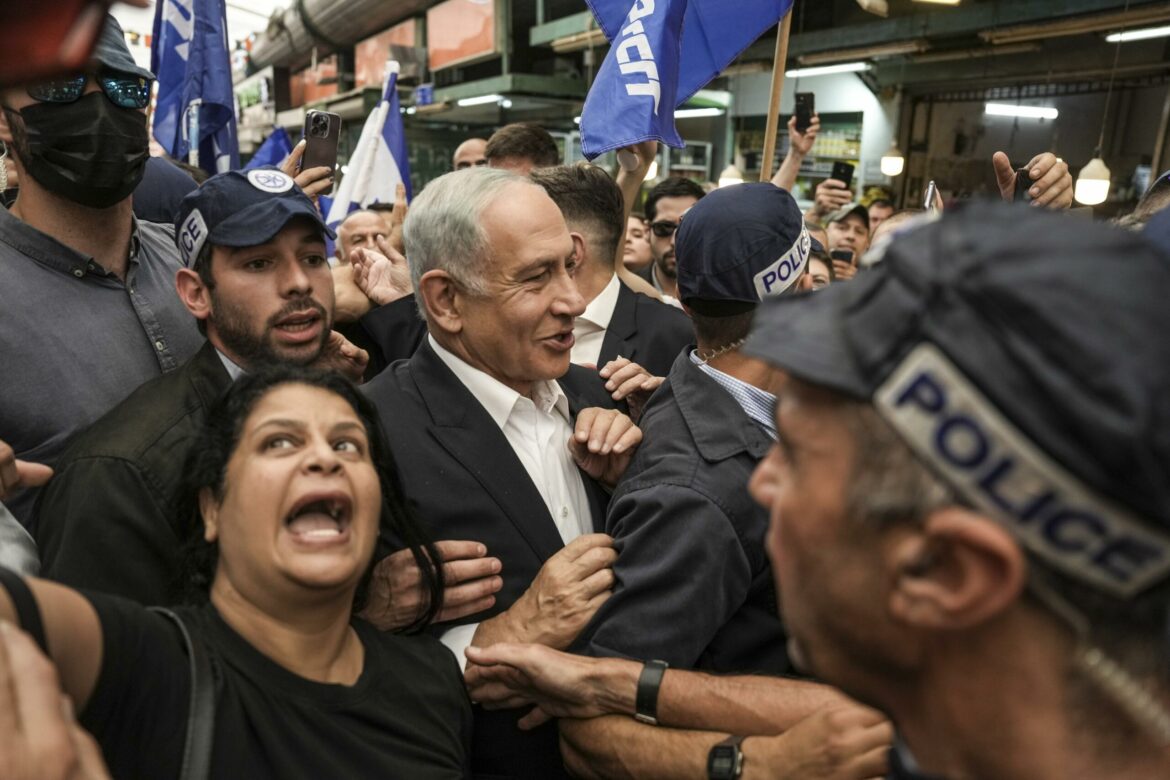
x=471, y=153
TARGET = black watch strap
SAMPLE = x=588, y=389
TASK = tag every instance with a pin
x=646, y=700
x=725, y=761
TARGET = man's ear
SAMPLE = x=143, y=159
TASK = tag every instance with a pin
x=209, y=509
x=442, y=301
x=961, y=569
x=581, y=252
x=193, y=293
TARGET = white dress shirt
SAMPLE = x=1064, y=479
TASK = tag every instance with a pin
x=538, y=430
x=590, y=327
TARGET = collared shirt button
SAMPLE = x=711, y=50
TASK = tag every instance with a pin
x=564, y=512
x=160, y=345
x=78, y=272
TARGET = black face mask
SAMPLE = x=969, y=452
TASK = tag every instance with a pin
x=89, y=151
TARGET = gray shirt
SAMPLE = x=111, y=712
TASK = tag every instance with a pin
x=75, y=340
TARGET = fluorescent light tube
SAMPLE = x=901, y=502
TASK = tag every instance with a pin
x=1138, y=35
x=825, y=70
x=479, y=101
x=1027, y=112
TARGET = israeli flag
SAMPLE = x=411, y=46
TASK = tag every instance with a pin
x=379, y=161
x=661, y=53
x=195, y=117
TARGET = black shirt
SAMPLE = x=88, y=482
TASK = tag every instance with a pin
x=407, y=716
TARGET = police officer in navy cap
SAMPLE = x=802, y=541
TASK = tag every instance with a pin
x=970, y=497
x=693, y=589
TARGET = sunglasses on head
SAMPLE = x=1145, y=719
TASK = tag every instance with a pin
x=123, y=89
x=664, y=228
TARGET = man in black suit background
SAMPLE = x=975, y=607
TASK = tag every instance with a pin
x=496, y=437
x=617, y=322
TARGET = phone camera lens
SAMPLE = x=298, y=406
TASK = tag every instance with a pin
x=319, y=126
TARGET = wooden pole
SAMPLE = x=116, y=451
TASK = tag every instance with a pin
x=778, y=69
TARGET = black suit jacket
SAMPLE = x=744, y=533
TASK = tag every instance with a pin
x=648, y=332
x=396, y=329
x=464, y=481
x=112, y=518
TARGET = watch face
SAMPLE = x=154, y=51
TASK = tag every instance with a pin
x=722, y=763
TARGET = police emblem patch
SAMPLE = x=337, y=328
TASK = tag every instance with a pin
x=275, y=182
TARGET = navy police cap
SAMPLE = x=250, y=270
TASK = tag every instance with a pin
x=1023, y=355
x=740, y=245
x=241, y=208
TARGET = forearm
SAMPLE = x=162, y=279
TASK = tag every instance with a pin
x=785, y=178
x=743, y=704
x=615, y=748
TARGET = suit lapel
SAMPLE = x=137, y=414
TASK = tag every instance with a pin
x=468, y=433
x=623, y=325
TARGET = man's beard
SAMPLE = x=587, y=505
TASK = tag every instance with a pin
x=669, y=271
x=253, y=350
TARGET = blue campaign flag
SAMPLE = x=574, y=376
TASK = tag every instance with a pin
x=662, y=52
x=275, y=148
x=379, y=161
x=196, y=107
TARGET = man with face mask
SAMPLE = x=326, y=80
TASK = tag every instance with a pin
x=88, y=310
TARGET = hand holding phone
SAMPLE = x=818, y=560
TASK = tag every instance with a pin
x=844, y=263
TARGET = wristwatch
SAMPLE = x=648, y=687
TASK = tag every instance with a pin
x=725, y=761
x=646, y=698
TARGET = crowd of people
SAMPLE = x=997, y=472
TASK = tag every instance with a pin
x=537, y=477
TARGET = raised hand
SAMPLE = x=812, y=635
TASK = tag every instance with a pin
x=384, y=276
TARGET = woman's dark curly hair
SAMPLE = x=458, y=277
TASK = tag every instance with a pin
x=207, y=467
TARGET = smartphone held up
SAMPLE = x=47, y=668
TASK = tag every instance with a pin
x=322, y=135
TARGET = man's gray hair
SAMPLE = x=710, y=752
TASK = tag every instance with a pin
x=444, y=229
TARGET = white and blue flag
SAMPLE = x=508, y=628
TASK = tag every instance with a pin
x=275, y=148
x=661, y=53
x=196, y=107
x=379, y=161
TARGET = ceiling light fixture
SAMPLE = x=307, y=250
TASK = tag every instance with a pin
x=479, y=101
x=826, y=70
x=697, y=113
x=1026, y=112
x=1138, y=35
x=1092, y=185
x=893, y=161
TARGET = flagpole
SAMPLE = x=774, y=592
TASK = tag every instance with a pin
x=778, y=68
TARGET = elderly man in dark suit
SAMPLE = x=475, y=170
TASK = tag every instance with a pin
x=497, y=438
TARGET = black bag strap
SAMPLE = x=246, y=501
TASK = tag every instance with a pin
x=27, y=611
x=201, y=711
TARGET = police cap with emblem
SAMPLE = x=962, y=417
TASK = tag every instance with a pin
x=241, y=208
x=1023, y=356
x=740, y=245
